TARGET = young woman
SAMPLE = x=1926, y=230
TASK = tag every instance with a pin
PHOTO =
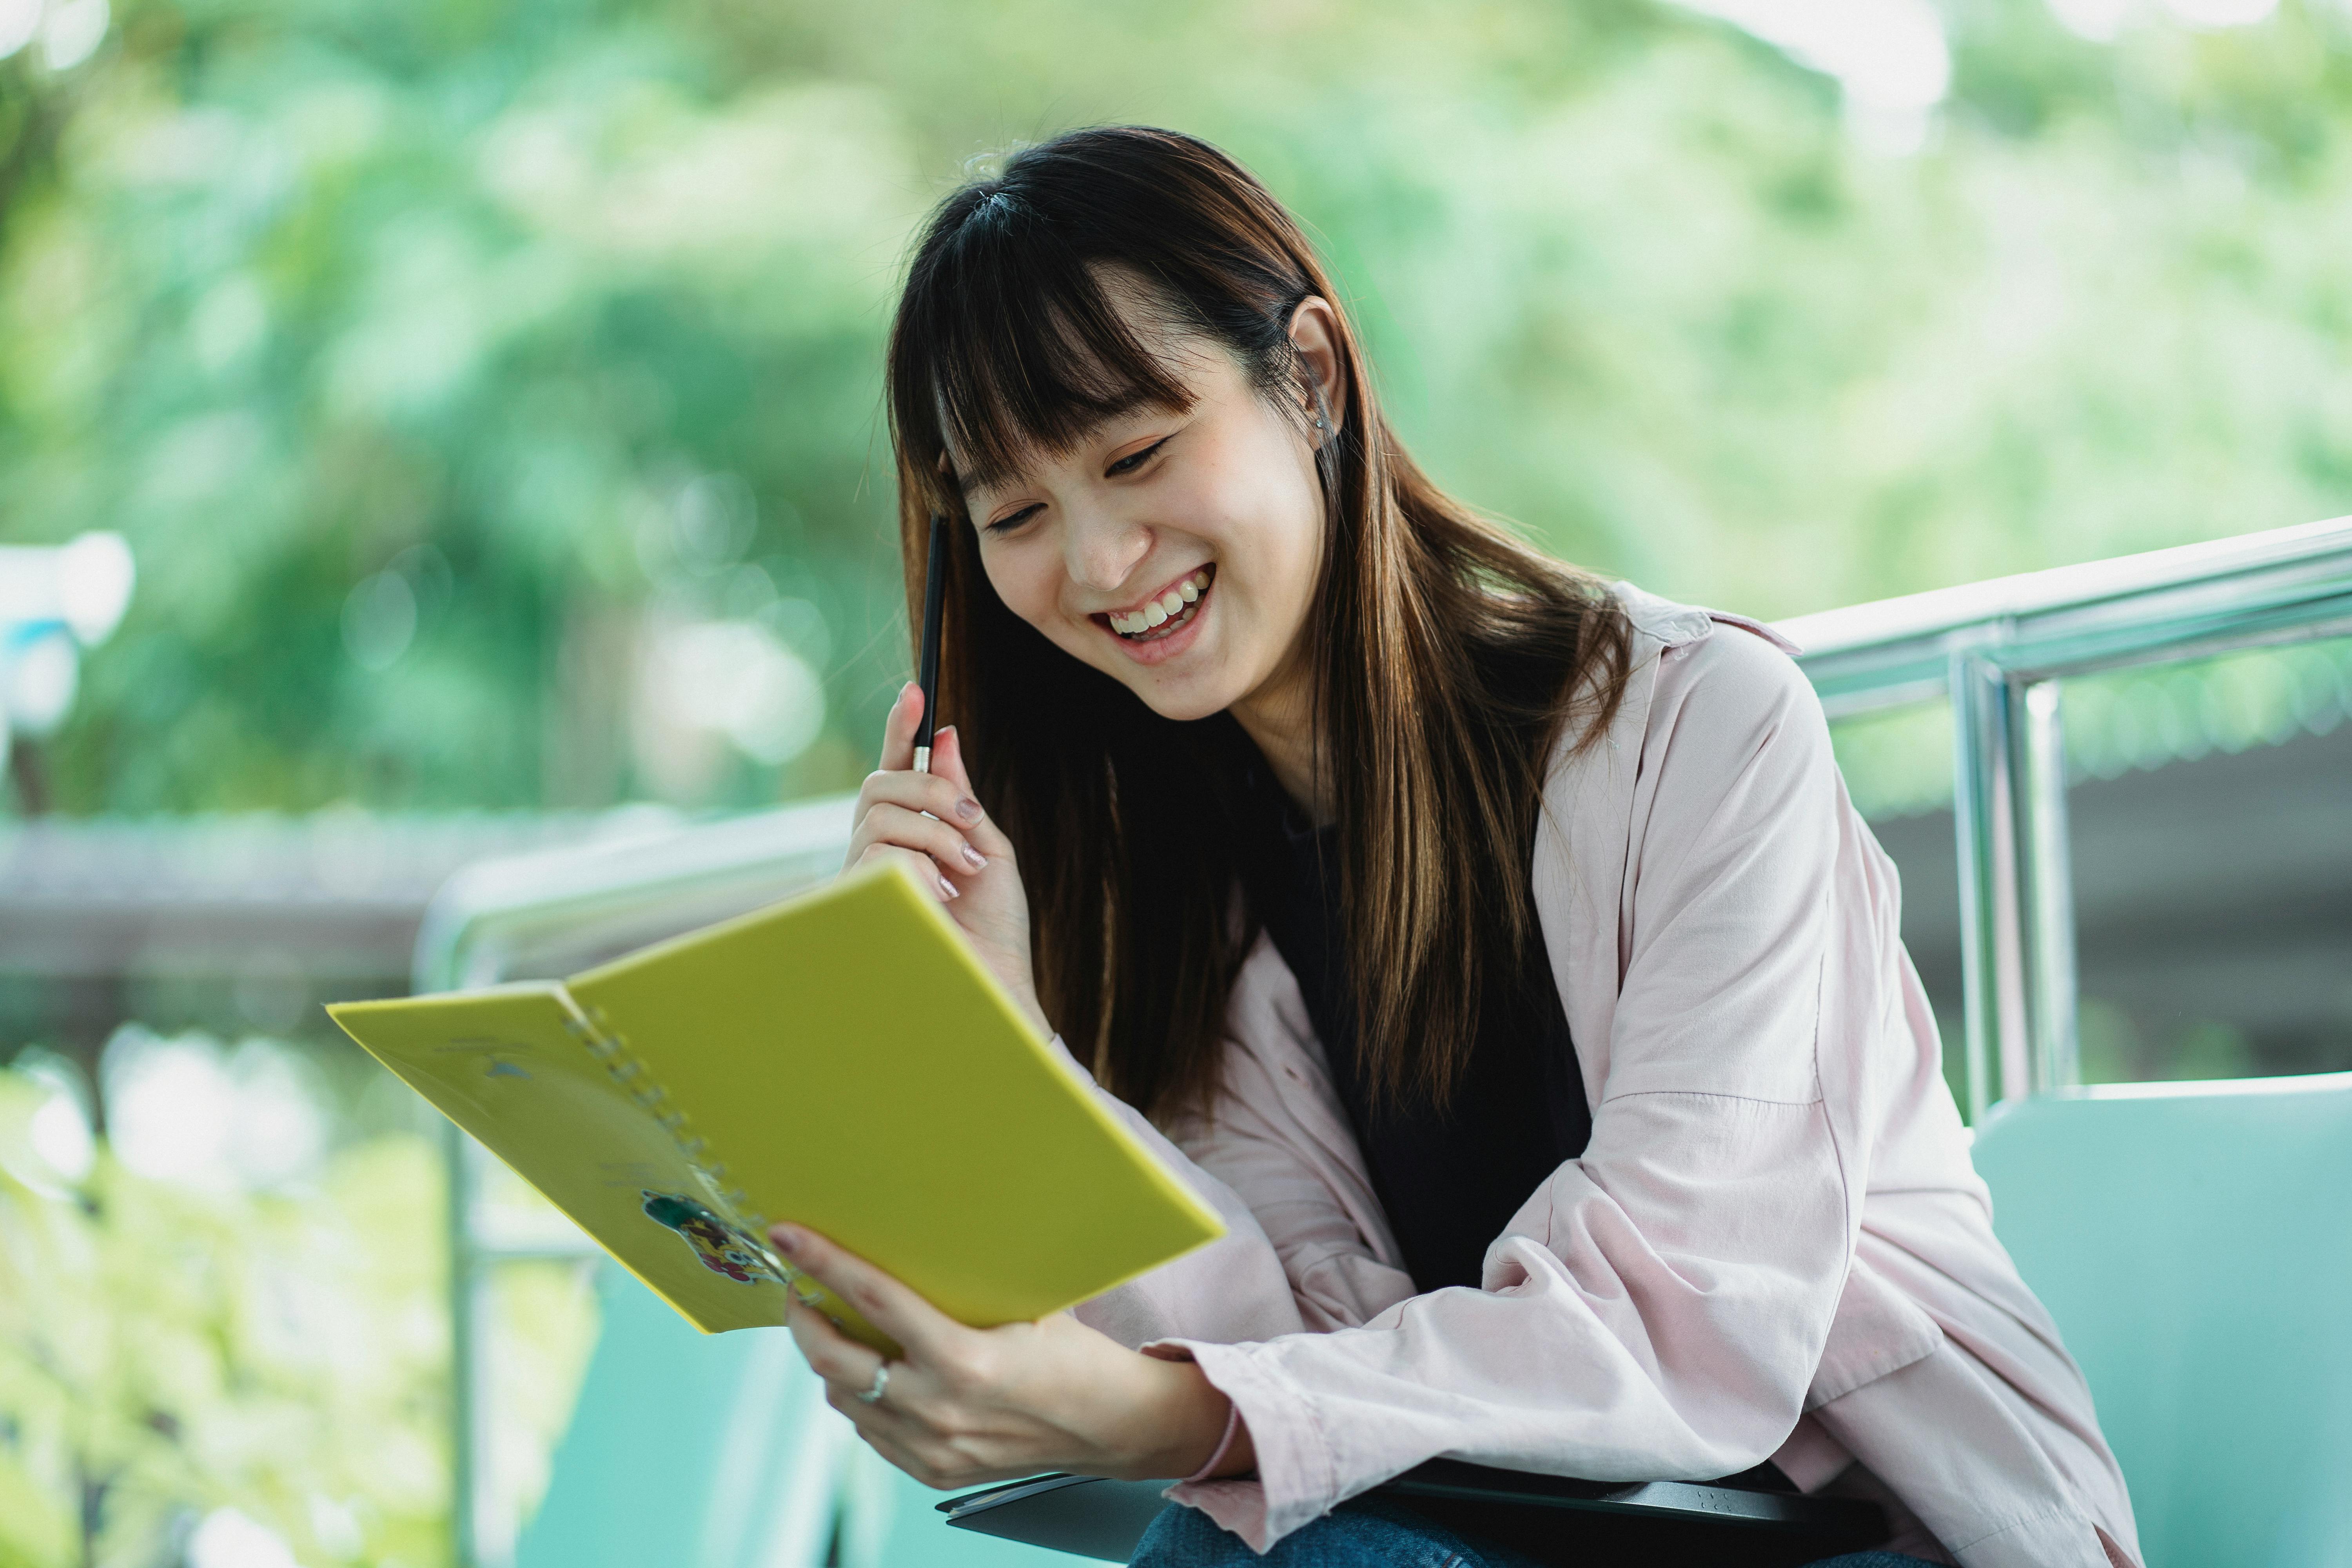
x=1498, y=949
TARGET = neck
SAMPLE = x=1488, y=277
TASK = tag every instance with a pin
x=1278, y=718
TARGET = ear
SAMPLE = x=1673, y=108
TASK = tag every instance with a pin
x=1315, y=336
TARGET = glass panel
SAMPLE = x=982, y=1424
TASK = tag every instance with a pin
x=1898, y=767
x=543, y=1323
x=2210, y=814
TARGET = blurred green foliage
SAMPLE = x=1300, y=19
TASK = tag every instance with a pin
x=436, y=357
x=171, y=1350
x=165, y=1349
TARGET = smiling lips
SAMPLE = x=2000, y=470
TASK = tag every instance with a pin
x=1161, y=617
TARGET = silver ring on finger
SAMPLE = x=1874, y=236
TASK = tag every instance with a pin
x=881, y=1384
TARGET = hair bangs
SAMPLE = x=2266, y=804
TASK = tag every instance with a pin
x=1025, y=348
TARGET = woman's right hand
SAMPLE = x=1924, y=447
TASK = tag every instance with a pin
x=933, y=823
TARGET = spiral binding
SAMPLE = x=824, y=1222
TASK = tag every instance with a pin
x=592, y=1027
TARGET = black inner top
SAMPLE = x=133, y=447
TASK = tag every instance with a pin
x=1450, y=1180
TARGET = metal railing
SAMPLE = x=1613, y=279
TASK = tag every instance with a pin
x=1998, y=651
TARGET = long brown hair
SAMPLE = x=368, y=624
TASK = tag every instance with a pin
x=1447, y=657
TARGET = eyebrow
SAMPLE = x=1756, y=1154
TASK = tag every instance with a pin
x=985, y=474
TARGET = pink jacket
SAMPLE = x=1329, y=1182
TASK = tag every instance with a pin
x=1774, y=1246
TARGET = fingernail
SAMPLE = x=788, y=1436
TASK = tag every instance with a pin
x=788, y=1239
x=974, y=858
x=968, y=810
x=949, y=889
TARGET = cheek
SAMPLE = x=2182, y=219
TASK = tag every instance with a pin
x=1025, y=580
x=1269, y=525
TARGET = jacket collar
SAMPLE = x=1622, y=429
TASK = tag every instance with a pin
x=1671, y=625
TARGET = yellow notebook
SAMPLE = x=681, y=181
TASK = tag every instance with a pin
x=841, y=1061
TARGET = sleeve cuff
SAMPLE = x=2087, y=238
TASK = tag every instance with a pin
x=1296, y=1480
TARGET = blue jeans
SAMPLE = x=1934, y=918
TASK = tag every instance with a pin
x=1369, y=1532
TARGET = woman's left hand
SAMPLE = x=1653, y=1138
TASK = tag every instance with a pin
x=967, y=1406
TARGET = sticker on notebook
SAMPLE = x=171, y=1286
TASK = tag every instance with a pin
x=723, y=1248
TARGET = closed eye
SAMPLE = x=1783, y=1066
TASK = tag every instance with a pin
x=1135, y=460
x=1129, y=464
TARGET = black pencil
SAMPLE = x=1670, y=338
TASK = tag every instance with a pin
x=927, y=672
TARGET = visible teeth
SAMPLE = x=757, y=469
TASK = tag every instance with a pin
x=1173, y=605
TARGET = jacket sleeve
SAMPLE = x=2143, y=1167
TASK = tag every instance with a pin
x=1656, y=1310
x=1233, y=1288
x=1275, y=1137
x=1308, y=1245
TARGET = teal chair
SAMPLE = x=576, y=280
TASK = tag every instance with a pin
x=2194, y=1242
x=717, y=1451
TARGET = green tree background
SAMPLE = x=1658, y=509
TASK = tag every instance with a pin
x=436, y=358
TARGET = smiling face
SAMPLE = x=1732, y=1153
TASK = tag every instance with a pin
x=1176, y=552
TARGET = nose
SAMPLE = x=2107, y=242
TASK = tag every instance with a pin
x=1101, y=550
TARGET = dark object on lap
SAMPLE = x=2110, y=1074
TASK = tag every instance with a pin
x=1748, y=1520
x=1084, y=1515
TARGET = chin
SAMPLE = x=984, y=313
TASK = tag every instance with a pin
x=1184, y=708
x=1179, y=700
